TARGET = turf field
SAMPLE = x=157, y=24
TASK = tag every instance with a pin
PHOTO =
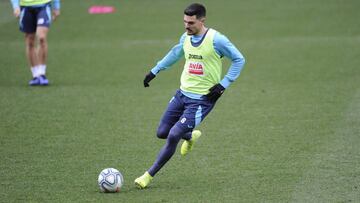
x=288, y=130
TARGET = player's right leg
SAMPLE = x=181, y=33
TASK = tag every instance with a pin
x=41, y=34
x=31, y=56
x=194, y=113
x=27, y=22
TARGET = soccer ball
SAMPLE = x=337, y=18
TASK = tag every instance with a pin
x=110, y=180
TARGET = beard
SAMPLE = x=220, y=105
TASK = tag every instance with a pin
x=190, y=32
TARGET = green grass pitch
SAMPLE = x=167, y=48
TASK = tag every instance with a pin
x=288, y=130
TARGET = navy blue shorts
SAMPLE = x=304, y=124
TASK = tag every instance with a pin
x=31, y=17
x=185, y=112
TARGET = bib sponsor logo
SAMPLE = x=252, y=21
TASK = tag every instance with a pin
x=193, y=56
x=196, y=68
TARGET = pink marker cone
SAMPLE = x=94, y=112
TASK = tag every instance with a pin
x=101, y=9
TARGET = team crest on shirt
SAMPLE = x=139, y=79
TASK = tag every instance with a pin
x=196, y=68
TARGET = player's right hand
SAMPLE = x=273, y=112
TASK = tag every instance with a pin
x=17, y=12
x=148, y=78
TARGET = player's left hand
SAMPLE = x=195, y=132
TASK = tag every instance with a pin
x=56, y=13
x=215, y=92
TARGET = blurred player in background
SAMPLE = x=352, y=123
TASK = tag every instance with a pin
x=35, y=17
x=201, y=85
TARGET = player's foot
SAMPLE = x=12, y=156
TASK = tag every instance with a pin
x=43, y=80
x=35, y=81
x=143, y=181
x=188, y=145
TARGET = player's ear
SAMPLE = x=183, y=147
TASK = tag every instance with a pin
x=202, y=19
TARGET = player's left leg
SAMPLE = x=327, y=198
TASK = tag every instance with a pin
x=41, y=34
x=195, y=112
x=43, y=24
x=165, y=131
x=171, y=115
x=31, y=54
x=187, y=145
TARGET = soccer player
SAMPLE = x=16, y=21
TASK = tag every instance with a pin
x=201, y=85
x=34, y=20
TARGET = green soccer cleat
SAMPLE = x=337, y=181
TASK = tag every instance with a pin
x=143, y=181
x=188, y=145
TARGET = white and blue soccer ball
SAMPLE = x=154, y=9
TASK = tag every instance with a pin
x=110, y=180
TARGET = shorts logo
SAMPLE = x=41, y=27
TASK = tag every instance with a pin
x=41, y=21
x=183, y=120
x=196, y=68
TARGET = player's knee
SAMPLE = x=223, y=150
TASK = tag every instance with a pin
x=162, y=132
x=173, y=138
x=30, y=44
x=30, y=41
x=42, y=40
x=175, y=135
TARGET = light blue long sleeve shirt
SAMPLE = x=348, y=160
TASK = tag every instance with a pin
x=222, y=46
x=55, y=3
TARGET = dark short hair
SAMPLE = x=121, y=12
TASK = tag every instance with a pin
x=195, y=9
